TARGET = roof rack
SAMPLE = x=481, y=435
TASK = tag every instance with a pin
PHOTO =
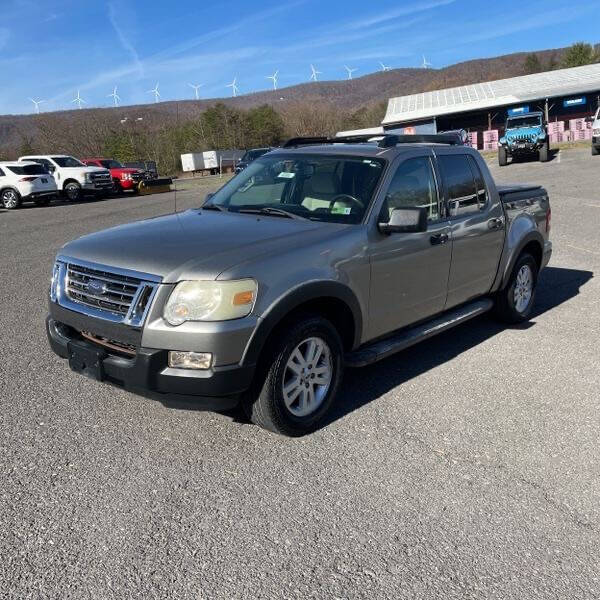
x=383, y=140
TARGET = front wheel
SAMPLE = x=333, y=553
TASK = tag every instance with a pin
x=299, y=379
x=72, y=191
x=595, y=150
x=515, y=302
x=10, y=199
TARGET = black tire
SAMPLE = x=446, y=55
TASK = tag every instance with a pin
x=545, y=152
x=506, y=307
x=44, y=201
x=264, y=404
x=502, y=156
x=10, y=199
x=595, y=150
x=72, y=191
x=117, y=189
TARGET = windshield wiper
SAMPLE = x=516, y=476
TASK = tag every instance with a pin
x=275, y=212
x=213, y=207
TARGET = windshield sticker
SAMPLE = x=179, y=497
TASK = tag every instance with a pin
x=341, y=210
x=287, y=175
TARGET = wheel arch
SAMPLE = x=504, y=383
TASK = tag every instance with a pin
x=70, y=180
x=330, y=299
x=532, y=243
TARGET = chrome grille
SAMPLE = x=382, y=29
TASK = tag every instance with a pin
x=101, y=177
x=117, y=295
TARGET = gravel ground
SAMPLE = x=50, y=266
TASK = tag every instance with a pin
x=465, y=467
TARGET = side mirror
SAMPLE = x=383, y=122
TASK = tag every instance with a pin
x=208, y=197
x=405, y=220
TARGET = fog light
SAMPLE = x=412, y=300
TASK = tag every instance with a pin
x=190, y=360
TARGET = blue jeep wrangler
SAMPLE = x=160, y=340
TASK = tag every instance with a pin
x=524, y=135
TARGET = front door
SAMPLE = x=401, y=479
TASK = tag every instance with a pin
x=477, y=224
x=409, y=271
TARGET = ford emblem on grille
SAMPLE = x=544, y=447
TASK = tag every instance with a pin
x=98, y=288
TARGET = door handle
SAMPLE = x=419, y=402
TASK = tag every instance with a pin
x=496, y=223
x=438, y=239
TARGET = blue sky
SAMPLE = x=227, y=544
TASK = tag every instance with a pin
x=49, y=50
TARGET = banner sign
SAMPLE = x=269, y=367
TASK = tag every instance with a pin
x=518, y=110
x=574, y=101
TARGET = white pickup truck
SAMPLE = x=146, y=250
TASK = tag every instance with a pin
x=73, y=178
x=596, y=133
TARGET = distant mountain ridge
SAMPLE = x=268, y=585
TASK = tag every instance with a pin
x=349, y=95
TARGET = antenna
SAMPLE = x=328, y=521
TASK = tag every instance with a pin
x=234, y=87
x=115, y=96
x=274, y=78
x=350, y=71
x=79, y=100
x=314, y=73
x=155, y=92
x=385, y=68
x=196, y=88
x=37, y=104
x=425, y=64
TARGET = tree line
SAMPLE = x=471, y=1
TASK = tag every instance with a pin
x=577, y=55
x=163, y=137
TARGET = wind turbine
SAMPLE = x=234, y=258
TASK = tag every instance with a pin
x=37, y=104
x=274, y=78
x=79, y=100
x=425, y=64
x=314, y=73
x=196, y=88
x=350, y=71
x=155, y=92
x=115, y=96
x=234, y=87
x=385, y=68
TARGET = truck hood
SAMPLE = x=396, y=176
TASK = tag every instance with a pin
x=195, y=244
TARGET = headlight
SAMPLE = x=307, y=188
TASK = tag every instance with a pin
x=126, y=176
x=87, y=177
x=210, y=301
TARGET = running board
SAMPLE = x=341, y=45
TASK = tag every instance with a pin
x=404, y=339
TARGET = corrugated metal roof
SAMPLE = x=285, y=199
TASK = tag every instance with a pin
x=478, y=96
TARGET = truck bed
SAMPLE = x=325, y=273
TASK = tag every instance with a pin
x=514, y=193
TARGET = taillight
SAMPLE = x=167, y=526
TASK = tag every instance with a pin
x=28, y=179
x=548, y=219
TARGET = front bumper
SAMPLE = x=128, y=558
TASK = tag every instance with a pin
x=98, y=187
x=148, y=372
x=41, y=194
x=523, y=147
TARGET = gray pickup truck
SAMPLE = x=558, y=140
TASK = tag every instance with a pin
x=321, y=255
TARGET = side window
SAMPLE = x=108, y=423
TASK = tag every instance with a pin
x=1, y=173
x=460, y=184
x=482, y=196
x=413, y=185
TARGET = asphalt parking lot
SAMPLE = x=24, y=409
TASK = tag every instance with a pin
x=465, y=467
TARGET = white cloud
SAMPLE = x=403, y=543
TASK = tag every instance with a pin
x=4, y=35
x=125, y=42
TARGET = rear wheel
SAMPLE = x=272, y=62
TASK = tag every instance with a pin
x=544, y=152
x=72, y=191
x=10, y=199
x=502, y=157
x=515, y=302
x=299, y=379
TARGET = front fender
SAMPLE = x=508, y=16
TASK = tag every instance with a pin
x=292, y=300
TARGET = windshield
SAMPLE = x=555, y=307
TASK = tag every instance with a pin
x=531, y=121
x=321, y=188
x=254, y=154
x=111, y=164
x=67, y=161
x=29, y=170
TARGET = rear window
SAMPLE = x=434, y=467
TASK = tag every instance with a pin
x=29, y=170
x=111, y=164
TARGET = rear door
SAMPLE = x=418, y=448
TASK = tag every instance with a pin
x=477, y=227
x=409, y=271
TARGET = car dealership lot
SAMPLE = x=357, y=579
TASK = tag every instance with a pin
x=465, y=467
